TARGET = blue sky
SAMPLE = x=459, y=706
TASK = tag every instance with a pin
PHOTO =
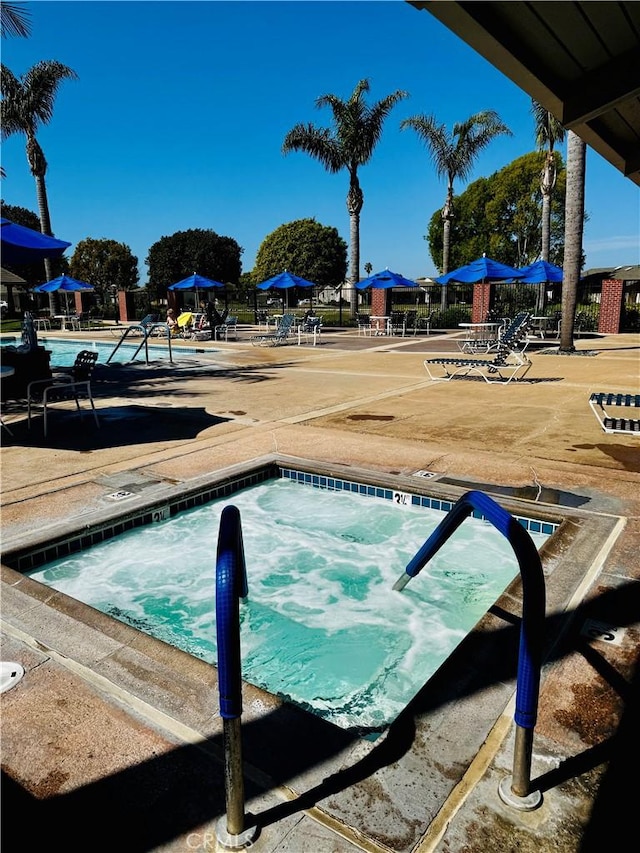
x=179, y=113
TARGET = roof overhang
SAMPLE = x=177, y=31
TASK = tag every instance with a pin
x=579, y=60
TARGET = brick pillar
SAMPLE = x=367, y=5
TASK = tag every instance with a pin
x=123, y=307
x=482, y=297
x=611, y=306
x=380, y=301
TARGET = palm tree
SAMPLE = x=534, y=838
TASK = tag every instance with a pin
x=14, y=20
x=453, y=155
x=357, y=128
x=27, y=103
x=574, y=222
x=548, y=131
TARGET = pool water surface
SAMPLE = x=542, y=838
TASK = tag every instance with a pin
x=321, y=626
x=63, y=353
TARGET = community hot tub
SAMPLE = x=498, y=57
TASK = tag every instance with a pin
x=321, y=626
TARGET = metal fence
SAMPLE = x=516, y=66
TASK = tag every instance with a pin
x=508, y=300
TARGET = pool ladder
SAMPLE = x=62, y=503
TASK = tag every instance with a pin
x=231, y=586
x=146, y=331
x=516, y=789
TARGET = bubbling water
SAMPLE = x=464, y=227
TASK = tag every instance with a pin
x=321, y=626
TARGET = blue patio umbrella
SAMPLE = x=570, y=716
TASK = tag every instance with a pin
x=195, y=282
x=64, y=283
x=482, y=269
x=541, y=271
x=21, y=245
x=385, y=279
x=284, y=281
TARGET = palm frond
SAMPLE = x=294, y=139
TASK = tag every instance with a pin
x=15, y=20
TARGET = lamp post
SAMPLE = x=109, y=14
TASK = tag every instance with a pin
x=113, y=290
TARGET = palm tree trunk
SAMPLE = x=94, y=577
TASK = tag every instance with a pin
x=574, y=222
x=446, y=240
x=447, y=216
x=355, y=200
x=45, y=228
x=547, y=184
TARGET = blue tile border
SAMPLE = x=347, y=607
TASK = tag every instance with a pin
x=532, y=525
x=25, y=560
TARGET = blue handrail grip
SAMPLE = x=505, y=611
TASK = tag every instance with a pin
x=231, y=585
x=532, y=626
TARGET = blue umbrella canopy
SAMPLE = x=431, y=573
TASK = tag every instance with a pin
x=63, y=282
x=283, y=281
x=384, y=279
x=21, y=245
x=541, y=271
x=195, y=282
x=482, y=269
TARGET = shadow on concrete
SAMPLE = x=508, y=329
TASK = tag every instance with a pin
x=119, y=426
x=151, y=803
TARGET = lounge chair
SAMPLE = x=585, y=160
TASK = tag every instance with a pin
x=135, y=330
x=73, y=384
x=509, y=362
x=281, y=336
x=229, y=327
x=601, y=403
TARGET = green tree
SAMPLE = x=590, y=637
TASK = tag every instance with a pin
x=306, y=248
x=574, y=224
x=453, y=155
x=197, y=250
x=107, y=265
x=500, y=215
x=349, y=144
x=27, y=104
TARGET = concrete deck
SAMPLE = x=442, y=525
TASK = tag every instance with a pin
x=112, y=740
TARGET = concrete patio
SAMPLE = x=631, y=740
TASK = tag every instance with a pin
x=112, y=740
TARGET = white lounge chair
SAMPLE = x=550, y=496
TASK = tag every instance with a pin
x=602, y=403
x=509, y=362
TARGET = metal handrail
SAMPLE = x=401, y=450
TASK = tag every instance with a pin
x=516, y=790
x=231, y=586
x=146, y=331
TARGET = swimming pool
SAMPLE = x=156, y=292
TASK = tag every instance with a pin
x=321, y=626
x=63, y=353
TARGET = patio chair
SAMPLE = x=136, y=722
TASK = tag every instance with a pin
x=411, y=322
x=398, y=323
x=425, y=322
x=601, y=404
x=262, y=319
x=282, y=335
x=364, y=324
x=65, y=385
x=310, y=326
x=509, y=362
